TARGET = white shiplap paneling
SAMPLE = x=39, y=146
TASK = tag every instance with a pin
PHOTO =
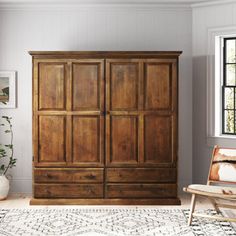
x=205, y=18
x=92, y=28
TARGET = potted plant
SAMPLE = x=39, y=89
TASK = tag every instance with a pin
x=7, y=160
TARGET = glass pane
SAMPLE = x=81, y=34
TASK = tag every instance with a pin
x=230, y=53
x=229, y=98
x=235, y=100
x=230, y=75
x=229, y=122
x=234, y=121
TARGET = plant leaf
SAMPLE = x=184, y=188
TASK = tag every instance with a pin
x=2, y=167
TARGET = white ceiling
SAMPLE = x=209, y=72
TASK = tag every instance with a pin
x=110, y=1
x=71, y=3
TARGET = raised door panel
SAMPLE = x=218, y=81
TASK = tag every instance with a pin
x=87, y=140
x=123, y=140
x=51, y=86
x=52, y=139
x=124, y=85
x=157, y=86
x=158, y=139
x=87, y=86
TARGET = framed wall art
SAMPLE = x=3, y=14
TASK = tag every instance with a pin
x=7, y=89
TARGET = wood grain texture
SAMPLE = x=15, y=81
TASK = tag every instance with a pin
x=134, y=175
x=114, y=201
x=124, y=85
x=141, y=190
x=86, y=85
x=104, y=54
x=105, y=126
x=157, y=84
x=124, y=139
x=52, y=83
x=68, y=175
x=158, y=141
x=52, y=139
x=68, y=190
x=86, y=139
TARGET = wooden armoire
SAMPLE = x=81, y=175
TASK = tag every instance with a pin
x=105, y=127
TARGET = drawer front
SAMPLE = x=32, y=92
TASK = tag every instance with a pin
x=42, y=175
x=141, y=175
x=141, y=190
x=68, y=190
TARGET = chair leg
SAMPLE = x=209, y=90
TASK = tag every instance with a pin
x=215, y=205
x=192, y=207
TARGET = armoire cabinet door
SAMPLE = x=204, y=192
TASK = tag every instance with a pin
x=141, y=110
x=50, y=121
x=69, y=113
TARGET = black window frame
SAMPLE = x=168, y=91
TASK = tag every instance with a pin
x=224, y=85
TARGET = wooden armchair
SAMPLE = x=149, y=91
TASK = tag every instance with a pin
x=221, y=184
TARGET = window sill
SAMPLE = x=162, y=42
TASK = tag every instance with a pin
x=228, y=141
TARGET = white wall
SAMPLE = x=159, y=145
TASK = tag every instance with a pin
x=92, y=28
x=205, y=18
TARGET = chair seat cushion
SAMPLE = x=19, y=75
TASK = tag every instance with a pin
x=215, y=191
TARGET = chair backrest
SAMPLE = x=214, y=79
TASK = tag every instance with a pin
x=223, y=166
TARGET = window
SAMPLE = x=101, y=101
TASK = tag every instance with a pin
x=221, y=87
x=229, y=87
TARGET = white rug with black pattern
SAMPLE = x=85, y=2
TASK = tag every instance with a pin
x=108, y=221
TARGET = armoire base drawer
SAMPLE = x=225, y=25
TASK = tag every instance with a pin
x=164, y=175
x=141, y=190
x=68, y=175
x=68, y=190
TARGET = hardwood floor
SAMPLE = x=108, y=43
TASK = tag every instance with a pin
x=22, y=201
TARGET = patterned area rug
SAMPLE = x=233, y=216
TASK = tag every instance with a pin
x=107, y=221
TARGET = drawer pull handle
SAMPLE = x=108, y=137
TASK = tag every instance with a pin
x=48, y=192
x=49, y=176
x=90, y=176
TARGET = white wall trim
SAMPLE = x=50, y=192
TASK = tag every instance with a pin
x=83, y=5
x=213, y=137
x=212, y=3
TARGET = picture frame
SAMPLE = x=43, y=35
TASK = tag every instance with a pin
x=7, y=89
